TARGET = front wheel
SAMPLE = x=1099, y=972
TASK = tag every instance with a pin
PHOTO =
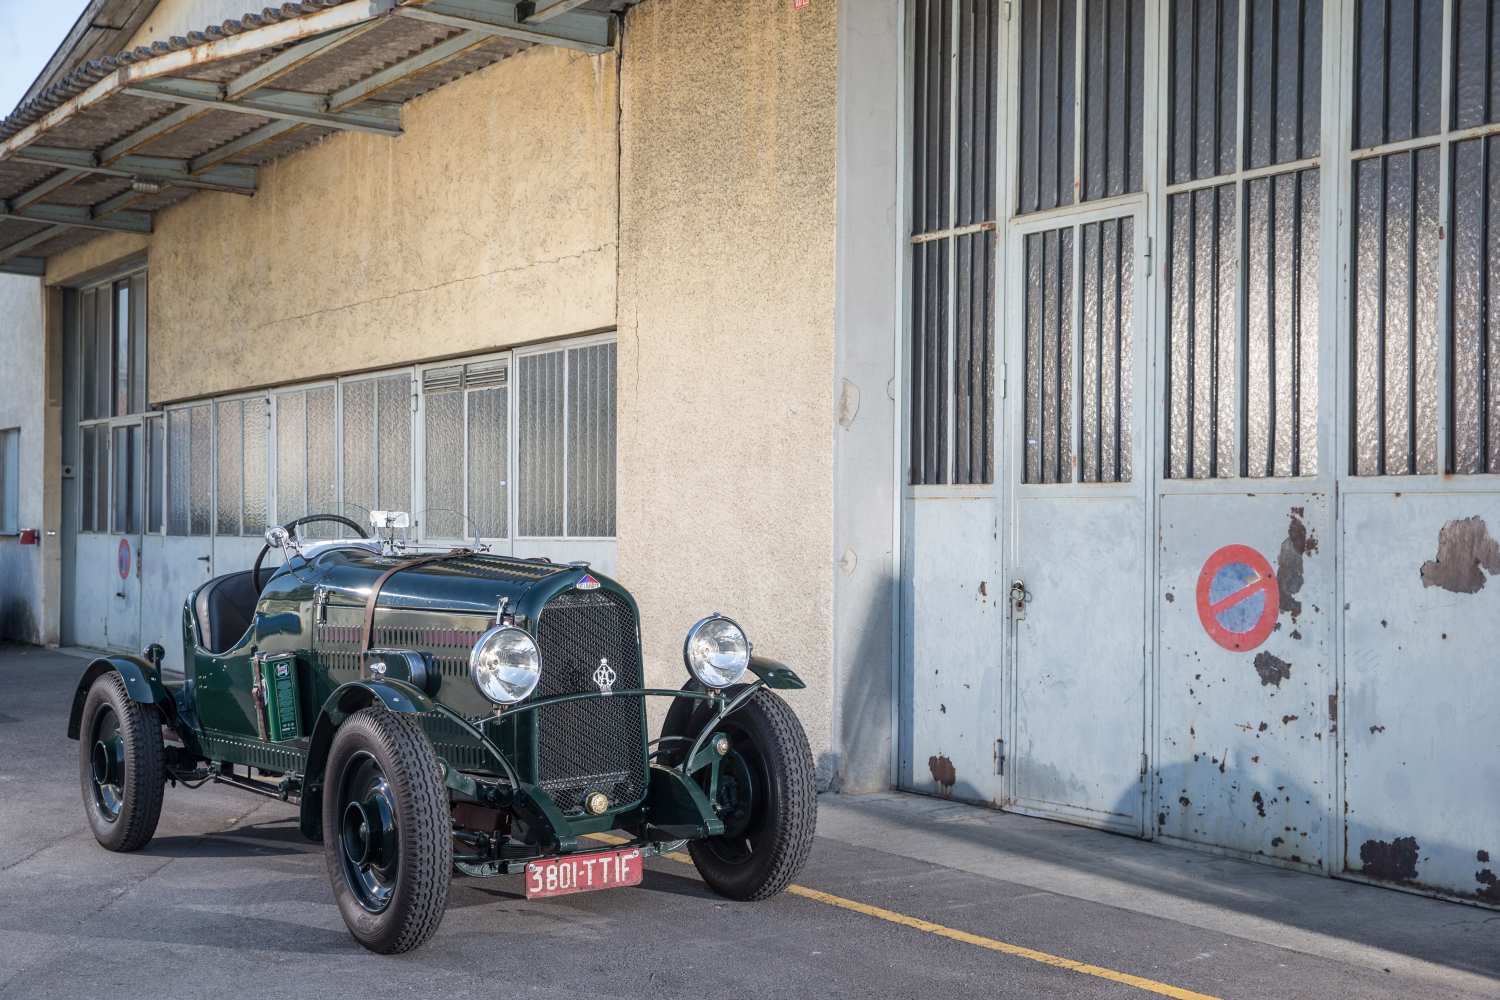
x=120, y=765
x=387, y=836
x=767, y=798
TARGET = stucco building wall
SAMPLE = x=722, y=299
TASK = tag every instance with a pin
x=726, y=330
x=490, y=222
x=22, y=405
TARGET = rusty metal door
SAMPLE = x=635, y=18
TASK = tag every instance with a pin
x=1077, y=590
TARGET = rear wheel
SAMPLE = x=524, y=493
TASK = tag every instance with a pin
x=767, y=798
x=120, y=765
x=387, y=835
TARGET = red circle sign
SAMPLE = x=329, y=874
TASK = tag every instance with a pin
x=122, y=559
x=1237, y=598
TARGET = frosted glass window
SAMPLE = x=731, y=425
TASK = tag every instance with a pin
x=230, y=466
x=443, y=441
x=291, y=456
x=256, y=468
x=489, y=461
x=540, y=380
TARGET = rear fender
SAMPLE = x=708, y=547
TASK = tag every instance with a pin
x=142, y=683
x=355, y=696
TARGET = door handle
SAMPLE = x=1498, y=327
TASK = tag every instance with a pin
x=1019, y=595
x=204, y=558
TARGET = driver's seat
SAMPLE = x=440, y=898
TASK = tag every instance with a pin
x=224, y=608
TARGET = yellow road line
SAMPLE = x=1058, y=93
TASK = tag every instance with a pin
x=954, y=934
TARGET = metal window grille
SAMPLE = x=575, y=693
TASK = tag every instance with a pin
x=1426, y=131
x=466, y=436
x=1240, y=393
x=1078, y=317
x=955, y=66
x=109, y=323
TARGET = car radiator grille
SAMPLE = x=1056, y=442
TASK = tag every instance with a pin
x=593, y=744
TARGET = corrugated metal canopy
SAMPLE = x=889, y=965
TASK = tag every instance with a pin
x=121, y=138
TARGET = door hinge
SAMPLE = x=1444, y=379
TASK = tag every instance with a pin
x=1003, y=379
x=1149, y=248
x=1144, y=768
x=1005, y=8
x=999, y=756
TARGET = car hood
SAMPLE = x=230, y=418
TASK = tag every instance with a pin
x=465, y=583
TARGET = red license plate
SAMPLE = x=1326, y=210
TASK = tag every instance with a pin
x=584, y=873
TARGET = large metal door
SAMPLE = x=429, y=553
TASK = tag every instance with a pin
x=1077, y=592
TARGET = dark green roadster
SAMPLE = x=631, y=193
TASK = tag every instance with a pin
x=441, y=710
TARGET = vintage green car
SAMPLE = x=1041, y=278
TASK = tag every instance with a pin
x=441, y=710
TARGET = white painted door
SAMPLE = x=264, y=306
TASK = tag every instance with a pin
x=1078, y=518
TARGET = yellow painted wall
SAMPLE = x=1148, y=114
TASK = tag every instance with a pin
x=490, y=222
x=726, y=329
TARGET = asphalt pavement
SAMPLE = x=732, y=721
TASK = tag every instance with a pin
x=904, y=897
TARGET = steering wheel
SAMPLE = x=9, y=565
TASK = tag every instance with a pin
x=290, y=527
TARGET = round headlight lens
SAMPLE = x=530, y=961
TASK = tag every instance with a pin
x=505, y=664
x=716, y=651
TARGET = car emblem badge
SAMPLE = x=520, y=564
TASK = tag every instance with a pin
x=587, y=582
x=605, y=677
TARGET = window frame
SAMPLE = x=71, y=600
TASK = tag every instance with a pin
x=137, y=344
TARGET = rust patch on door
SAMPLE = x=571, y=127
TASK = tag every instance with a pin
x=1260, y=804
x=1466, y=551
x=1272, y=669
x=1299, y=542
x=1392, y=861
x=943, y=772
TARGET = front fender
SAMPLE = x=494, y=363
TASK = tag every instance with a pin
x=776, y=675
x=355, y=696
x=142, y=683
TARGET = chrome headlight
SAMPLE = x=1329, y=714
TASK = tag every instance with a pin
x=716, y=651
x=505, y=664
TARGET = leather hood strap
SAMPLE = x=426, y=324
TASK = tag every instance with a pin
x=367, y=635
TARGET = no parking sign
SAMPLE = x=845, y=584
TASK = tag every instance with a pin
x=1237, y=598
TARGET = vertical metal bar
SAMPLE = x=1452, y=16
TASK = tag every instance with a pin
x=1075, y=336
x=1192, y=333
x=1385, y=114
x=1036, y=135
x=1057, y=366
x=1297, y=137
x=1241, y=458
x=1271, y=331
x=1080, y=81
x=1296, y=429
x=1119, y=352
x=1169, y=280
x=1445, y=346
x=1193, y=98
x=1218, y=111
x=1057, y=96
x=1099, y=350
x=918, y=254
x=1217, y=251
x=950, y=398
x=1380, y=325
x=1486, y=325
x=1411, y=314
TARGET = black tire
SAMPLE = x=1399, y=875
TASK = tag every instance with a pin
x=769, y=831
x=387, y=831
x=120, y=765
